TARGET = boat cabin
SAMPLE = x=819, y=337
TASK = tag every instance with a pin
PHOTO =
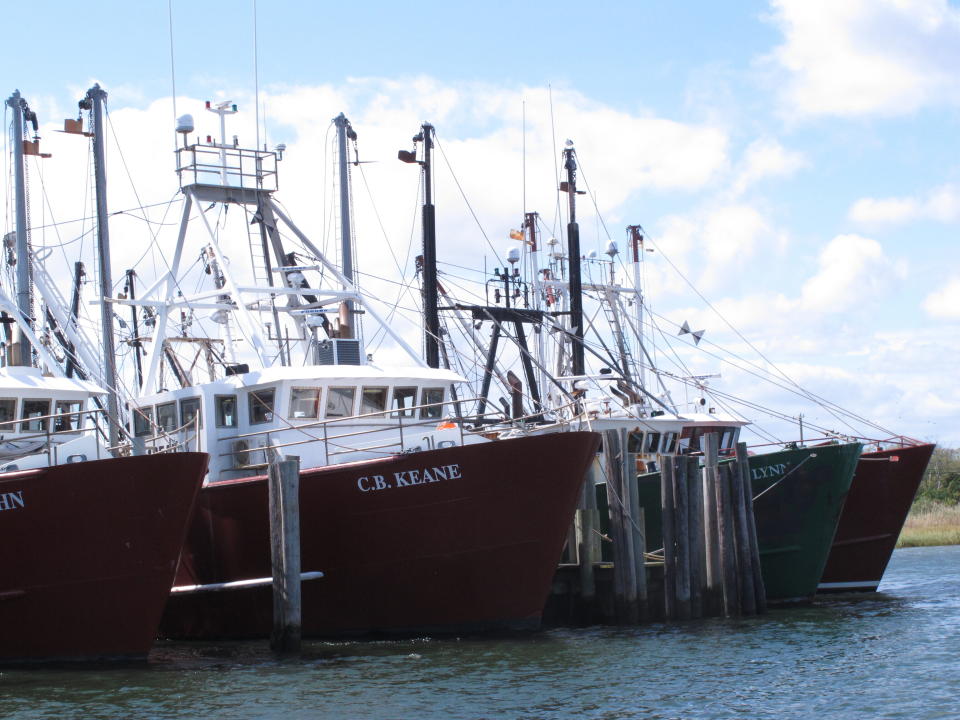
x=42, y=414
x=325, y=414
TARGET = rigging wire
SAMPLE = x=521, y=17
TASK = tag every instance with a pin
x=464, y=196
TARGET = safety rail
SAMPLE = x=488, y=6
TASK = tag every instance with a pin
x=227, y=166
x=391, y=446
x=76, y=417
x=396, y=415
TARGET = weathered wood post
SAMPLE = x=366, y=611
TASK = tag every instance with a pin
x=284, y=500
x=624, y=569
x=669, y=538
x=638, y=534
x=743, y=465
x=748, y=599
x=711, y=480
x=728, y=555
x=695, y=537
x=628, y=479
x=586, y=552
x=682, y=534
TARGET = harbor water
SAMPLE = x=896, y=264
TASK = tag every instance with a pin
x=892, y=654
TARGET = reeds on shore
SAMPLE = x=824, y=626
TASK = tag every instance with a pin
x=931, y=524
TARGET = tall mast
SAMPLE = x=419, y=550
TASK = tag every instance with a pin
x=24, y=304
x=431, y=316
x=636, y=247
x=94, y=101
x=344, y=132
x=573, y=252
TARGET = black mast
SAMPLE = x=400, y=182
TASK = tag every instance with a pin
x=573, y=252
x=431, y=317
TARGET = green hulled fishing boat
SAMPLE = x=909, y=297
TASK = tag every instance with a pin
x=798, y=496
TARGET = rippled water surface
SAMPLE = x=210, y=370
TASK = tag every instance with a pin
x=893, y=654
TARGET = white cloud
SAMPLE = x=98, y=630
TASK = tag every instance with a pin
x=945, y=301
x=941, y=204
x=861, y=57
x=853, y=270
x=766, y=158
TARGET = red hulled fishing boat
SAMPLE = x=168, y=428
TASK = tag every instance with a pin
x=876, y=507
x=452, y=540
x=89, y=551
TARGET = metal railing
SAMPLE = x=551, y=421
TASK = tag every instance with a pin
x=227, y=167
x=394, y=420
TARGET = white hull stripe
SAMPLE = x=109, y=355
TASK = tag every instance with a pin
x=235, y=585
x=848, y=585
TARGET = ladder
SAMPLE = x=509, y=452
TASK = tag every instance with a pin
x=610, y=302
x=259, y=261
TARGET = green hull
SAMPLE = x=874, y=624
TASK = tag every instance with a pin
x=795, y=520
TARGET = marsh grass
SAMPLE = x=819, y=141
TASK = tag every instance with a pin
x=931, y=524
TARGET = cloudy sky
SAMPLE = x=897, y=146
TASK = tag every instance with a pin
x=792, y=162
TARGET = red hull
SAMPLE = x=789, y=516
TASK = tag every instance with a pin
x=89, y=551
x=873, y=515
x=469, y=552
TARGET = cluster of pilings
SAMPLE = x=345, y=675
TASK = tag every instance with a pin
x=708, y=564
x=711, y=559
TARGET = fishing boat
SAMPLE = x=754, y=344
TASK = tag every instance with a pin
x=411, y=521
x=799, y=491
x=89, y=540
x=876, y=508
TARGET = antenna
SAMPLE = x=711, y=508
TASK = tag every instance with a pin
x=256, y=77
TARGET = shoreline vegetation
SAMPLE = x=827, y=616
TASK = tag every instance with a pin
x=931, y=524
x=934, y=518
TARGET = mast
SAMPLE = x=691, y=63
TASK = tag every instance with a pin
x=24, y=300
x=636, y=246
x=132, y=295
x=431, y=316
x=573, y=251
x=94, y=101
x=344, y=132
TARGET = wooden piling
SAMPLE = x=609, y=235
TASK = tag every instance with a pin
x=743, y=465
x=728, y=556
x=628, y=480
x=748, y=600
x=695, y=537
x=682, y=534
x=586, y=554
x=712, y=541
x=612, y=466
x=284, y=502
x=638, y=535
x=669, y=538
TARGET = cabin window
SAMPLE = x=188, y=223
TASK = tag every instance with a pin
x=190, y=409
x=652, y=442
x=635, y=442
x=8, y=411
x=304, y=403
x=34, y=409
x=404, y=398
x=226, y=406
x=67, y=415
x=373, y=400
x=669, y=442
x=143, y=421
x=690, y=439
x=340, y=401
x=261, y=405
x=728, y=438
x=167, y=417
x=432, y=397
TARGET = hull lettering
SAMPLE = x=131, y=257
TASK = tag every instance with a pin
x=409, y=478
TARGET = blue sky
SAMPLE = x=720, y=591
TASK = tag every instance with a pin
x=797, y=160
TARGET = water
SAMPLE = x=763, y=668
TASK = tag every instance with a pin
x=893, y=654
